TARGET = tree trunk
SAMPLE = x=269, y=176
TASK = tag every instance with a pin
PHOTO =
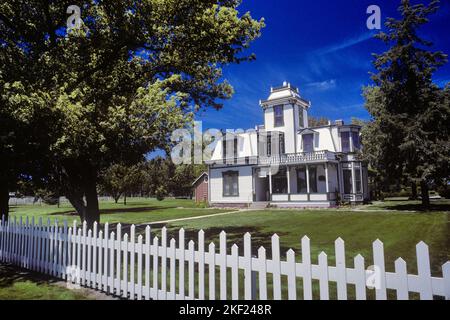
x=424, y=192
x=116, y=199
x=413, y=191
x=92, y=208
x=4, y=200
x=124, y=199
x=81, y=190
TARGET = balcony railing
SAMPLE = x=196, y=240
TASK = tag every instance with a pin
x=298, y=158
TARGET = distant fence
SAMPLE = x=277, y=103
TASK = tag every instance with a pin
x=14, y=201
x=152, y=268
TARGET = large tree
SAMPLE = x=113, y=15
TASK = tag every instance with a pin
x=409, y=135
x=122, y=82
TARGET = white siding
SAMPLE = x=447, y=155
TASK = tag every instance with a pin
x=245, y=185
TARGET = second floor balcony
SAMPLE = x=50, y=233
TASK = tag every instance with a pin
x=298, y=158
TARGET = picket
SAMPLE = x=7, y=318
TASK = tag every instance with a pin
x=155, y=255
x=201, y=265
x=163, y=255
x=191, y=278
x=223, y=265
x=89, y=262
x=341, y=270
x=147, y=262
x=276, y=267
x=106, y=247
x=132, y=289
x=181, y=244
x=291, y=274
x=262, y=273
x=378, y=260
x=360, y=278
x=446, y=277
x=124, y=248
x=131, y=269
x=248, y=266
x=118, y=246
x=99, y=275
x=234, y=272
x=139, y=268
x=172, y=269
x=111, y=277
x=212, y=271
x=306, y=260
x=323, y=276
x=424, y=271
x=402, y=279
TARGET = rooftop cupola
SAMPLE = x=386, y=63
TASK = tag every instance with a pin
x=285, y=94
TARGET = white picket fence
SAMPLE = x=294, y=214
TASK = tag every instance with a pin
x=154, y=269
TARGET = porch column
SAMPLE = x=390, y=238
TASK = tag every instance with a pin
x=361, y=178
x=270, y=184
x=353, y=179
x=288, y=182
x=307, y=182
x=327, y=178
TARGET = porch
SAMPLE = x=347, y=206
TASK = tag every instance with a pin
x=302, y=184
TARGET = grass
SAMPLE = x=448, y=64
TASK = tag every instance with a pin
x=400, y=225
x=400, y=231
x=17, y=284
x=137, y=211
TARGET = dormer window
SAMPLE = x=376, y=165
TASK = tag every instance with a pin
x=345, y=141
x=279, y=116
x=356, y=141
x=308, y=142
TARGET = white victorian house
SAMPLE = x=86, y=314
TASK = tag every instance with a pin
x=286, y=163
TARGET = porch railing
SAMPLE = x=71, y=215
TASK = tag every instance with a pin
x=297, y=158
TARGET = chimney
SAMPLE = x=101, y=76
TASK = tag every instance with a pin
x=339, y=123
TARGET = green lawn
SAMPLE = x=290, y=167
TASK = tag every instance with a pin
x=400, y=225
x=399, y=231
x=17, y=284
x=137, y=211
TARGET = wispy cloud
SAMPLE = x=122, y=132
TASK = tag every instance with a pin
x=347, y=43
x=322, y=85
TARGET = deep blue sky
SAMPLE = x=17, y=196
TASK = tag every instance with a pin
x=321, y=46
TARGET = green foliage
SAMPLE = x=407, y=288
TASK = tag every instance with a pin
x=160, y=193
x=317, y=122
x=408, y=137
x=113, y=90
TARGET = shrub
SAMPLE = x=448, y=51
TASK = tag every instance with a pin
x=160, y=193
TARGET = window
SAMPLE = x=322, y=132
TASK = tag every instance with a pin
x=348, y=184
x=301, y=181
x=280, y=183
x=345, y=140
x=301, y=119
x=279, y=116
x=226, y=144
x=358, y=181
x=271, y=148
x=312, y=179
x=356, y=141
x=231, y=184
x=308, y=143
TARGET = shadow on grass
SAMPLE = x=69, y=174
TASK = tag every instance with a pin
x=10, y=274
x=235, y=235
x=114, y=211
x=433, y=207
